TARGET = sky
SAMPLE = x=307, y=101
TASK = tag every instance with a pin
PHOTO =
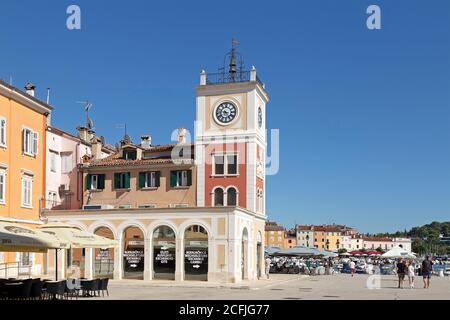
x=364, y=115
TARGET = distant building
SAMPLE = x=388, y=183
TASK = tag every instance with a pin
x=305, y=236
x=290, y=240
x=64, y=183
x=274, y=235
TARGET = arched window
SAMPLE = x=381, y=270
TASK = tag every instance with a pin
x=218, y=197
x=231, y=197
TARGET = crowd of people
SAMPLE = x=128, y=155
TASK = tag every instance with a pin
x=352, y=265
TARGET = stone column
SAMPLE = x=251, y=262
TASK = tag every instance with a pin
x=147, y=257
x=179, y=260
x=61, y=264
x=89, y=263
x=118, y=262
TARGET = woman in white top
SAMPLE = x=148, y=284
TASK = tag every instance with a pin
x=411, y=274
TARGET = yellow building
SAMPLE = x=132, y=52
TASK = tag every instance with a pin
x=333, y=238
x=275, y=235
x=23, y=123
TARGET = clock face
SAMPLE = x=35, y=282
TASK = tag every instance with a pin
x=260, y=117
x=226, y=112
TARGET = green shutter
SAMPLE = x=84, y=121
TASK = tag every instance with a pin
x=158, y=179
x=101, y=181
x=173, y=178
x=116, y=180
x=127, y=180
x=189, y=178
x=141, y=180
x=88, y=182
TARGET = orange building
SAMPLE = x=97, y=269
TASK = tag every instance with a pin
x=23, y=123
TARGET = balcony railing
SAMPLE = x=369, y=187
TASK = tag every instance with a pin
x=227, y=77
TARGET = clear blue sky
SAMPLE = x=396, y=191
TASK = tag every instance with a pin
x=364, y=116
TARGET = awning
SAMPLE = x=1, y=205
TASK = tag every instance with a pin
x=77, y=238
x=398, y=252
x=15, y=237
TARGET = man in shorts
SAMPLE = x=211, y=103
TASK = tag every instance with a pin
x=427, y=270
x=401, y=271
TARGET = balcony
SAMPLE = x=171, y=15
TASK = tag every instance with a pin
x=228, y=77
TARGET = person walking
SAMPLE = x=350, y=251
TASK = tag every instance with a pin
x=411, y=274
x=401, y=270
x=267, y=262
x=352, y=267
x=427, y=270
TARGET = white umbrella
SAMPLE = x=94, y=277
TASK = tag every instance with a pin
x=398, y=252
x=77, y=238
x=15, y=237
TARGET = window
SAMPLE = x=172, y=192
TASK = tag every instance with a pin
x=149, y=179
x=122, y=180
x=232, y=164
x=180, y=178
x=29, y=142
x=129, y=155
x=180, y=205
x=25, y=259
x=2, y=187
x=53, y=156
x=231, y=197
x=95, y=182
x=218, y=197
x=27, y=191
x=259, y=201
x=2, y=132
x=147, y=206
x=52, y=199
x=219, y=165
x=225, y=164
x=66, y=162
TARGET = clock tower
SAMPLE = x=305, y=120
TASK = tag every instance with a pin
x=230, y=137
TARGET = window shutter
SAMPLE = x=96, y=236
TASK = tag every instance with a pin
x=23, y=140
x=88, y=182
x=141, y=180
x=127, y=180
x=101, y=182
x=35, y=143
x=189, y=178
x=116, y=180
x=173, y=178
x=158, y=179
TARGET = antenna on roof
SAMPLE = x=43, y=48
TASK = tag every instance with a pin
x=87, y=106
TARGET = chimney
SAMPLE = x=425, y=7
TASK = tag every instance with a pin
x=146, y=142
x=29, y=89
x=83, y=133
x=97, y=146
x=181, y=135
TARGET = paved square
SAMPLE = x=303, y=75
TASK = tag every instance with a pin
x=285, y=287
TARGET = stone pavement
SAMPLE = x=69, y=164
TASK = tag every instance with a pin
x=284, y=287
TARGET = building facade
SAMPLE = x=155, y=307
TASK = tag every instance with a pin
x=23, y=124
x=64, y=182
x=185, y=211
x=305, y=236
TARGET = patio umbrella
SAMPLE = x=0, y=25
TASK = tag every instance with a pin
x=345, y=254
x=398, y=252
x=298, y=251
x=272, y=250
x=15, y=237
x=77, y=238
x=328, y=254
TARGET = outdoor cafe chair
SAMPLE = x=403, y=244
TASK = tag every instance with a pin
x=36, y=289
x=55, y=289
x=104, y=286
